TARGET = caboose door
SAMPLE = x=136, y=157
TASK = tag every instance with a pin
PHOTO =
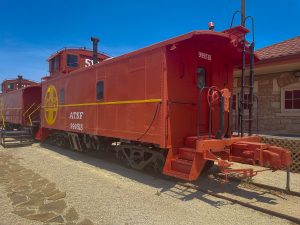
x=202, y=76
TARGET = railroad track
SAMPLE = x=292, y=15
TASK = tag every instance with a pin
x=249, y=205
x=264, y=186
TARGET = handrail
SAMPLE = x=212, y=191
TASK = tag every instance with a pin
x=3, y=122
x=210, y=112
x=28, y=109
x=183, y=103
x=29, y=117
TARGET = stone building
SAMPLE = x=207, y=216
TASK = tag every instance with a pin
x=277, y=90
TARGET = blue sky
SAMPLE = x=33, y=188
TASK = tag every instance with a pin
x=31, y=30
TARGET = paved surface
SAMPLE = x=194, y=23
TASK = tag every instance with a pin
x=32, y=196
x=48, y=185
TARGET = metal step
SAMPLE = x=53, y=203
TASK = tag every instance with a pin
x=17, y=140
x=177, y=174
x=181, y=165
x=190, y=142
x=186, y=153
x=11, y=137
x=14, y=132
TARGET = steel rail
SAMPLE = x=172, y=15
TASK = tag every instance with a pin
x=245, y=204
x=265, y=186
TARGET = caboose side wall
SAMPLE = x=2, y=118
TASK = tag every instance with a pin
x=15, y=103
x=133, y=92
x=13, y=106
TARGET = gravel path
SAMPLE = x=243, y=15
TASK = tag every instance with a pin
x=101, y=192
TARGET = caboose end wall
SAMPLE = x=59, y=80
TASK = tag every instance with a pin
x=185, y=61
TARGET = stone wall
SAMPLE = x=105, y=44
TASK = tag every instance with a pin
x=272, y=119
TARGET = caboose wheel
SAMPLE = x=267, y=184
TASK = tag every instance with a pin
x=59, y=140
x=121, y=157
x=87, y=140
x=138, y=157
x=208, y=165
x=159, y=163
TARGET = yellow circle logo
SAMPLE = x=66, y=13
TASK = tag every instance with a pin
x=51, y=105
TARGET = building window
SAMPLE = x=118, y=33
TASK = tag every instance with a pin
x=236, y=99
x=62, y=96
x=292, y=99
x=72, y=60
x=233, y=102
x=100, y=90
x=246, y=101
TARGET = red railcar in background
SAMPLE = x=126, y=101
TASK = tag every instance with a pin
x=21, y=107
x=15, y=84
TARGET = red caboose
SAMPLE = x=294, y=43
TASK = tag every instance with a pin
x=21, y=107
x=167, y=104
x=15, y=84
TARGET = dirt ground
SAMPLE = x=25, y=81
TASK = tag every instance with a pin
x=50, y=185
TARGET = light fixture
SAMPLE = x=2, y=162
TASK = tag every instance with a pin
x=173, y=47
x=211, y=26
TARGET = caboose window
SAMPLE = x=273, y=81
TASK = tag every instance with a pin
x=72, y=60
x=201, y=77
x=62, y=96
x=54, y=64
x=100, y=90
x=10, y=85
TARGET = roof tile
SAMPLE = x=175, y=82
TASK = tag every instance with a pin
x=281, y=49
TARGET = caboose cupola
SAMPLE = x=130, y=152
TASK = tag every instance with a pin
x=67, y=60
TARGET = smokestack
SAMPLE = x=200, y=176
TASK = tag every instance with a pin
x=95, y=49
x=20, y=78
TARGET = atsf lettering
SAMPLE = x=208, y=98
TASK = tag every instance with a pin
x=76, y=115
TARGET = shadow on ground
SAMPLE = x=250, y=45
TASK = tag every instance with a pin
x=168, y=185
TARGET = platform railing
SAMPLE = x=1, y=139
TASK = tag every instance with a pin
x=28, y=109
x=220, y=132
x=3, y=121
x=30, y=115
